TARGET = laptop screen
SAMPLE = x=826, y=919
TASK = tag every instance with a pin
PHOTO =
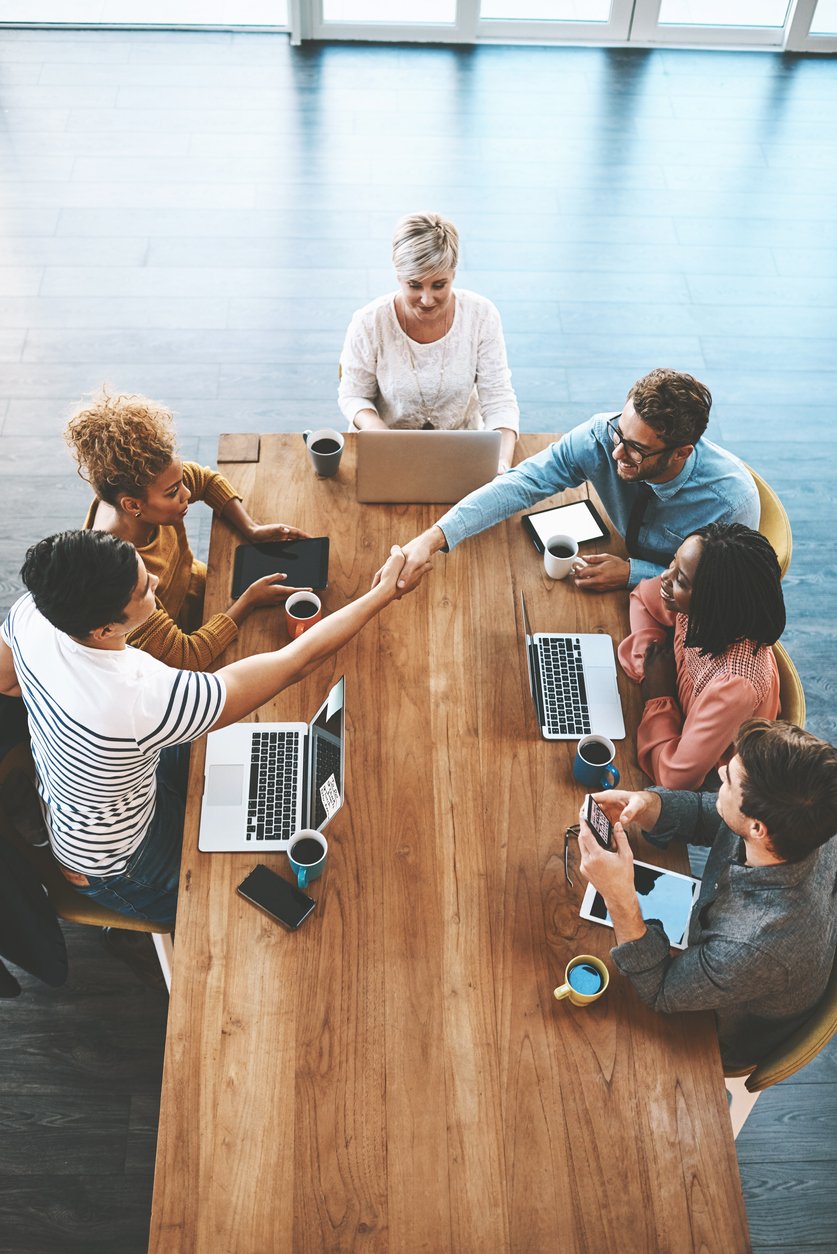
x=326, y=761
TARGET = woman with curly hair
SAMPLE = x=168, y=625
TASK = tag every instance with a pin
x=700, y=649
x=126, y=449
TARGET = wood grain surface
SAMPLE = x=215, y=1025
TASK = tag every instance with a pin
x=397, y=1076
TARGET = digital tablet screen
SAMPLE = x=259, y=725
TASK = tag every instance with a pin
x=305, y=562
x=579, y=520
x=664, y=895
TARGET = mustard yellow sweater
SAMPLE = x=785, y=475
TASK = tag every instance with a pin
x=174, y=633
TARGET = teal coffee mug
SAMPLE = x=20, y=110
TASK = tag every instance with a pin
x=593, y=766
x=307, y=852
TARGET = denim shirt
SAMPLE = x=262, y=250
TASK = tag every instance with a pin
x=713, y=486
x=761, y=939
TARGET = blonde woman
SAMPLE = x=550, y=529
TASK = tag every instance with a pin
x=126, y=449
x=429, y=355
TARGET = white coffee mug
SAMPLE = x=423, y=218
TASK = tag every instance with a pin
x=559, y=554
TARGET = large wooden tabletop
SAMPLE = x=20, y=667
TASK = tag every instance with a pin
x=396, y=1076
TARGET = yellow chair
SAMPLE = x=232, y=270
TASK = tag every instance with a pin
x=65, y=901
x=791, y=1056
x=774, y=523
x=791, y=692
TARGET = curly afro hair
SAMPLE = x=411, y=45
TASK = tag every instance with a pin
x=121, y=443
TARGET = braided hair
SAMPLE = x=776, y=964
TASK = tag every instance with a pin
x=736, y=592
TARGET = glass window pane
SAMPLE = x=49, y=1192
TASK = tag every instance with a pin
x=545, y=10
x=391, y=12
x=825, y=18
x=723, y=13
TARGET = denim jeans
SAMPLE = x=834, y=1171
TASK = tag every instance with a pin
x=147, y=888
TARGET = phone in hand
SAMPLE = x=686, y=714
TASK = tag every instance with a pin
x=600, y=825
x=282, y=900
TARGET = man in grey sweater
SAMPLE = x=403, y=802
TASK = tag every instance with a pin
x=763, y=930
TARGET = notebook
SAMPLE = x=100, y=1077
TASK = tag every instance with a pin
x=264, y=781
x=572, y=679
x=424, y=467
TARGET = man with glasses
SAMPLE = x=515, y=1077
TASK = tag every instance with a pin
x=658, y=479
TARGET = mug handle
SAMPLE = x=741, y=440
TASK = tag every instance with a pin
x=563, y=991
x=300, y=628
x=610, y=769
x=308, y=431
x=302, y=877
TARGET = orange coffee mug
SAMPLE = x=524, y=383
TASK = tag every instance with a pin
x=302, y=610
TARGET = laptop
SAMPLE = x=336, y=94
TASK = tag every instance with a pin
x=572, y=679
x=424, y=467
x=264, y=781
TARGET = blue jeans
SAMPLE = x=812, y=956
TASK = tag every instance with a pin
x=147, y=888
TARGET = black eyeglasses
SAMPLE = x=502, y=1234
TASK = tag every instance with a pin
x=635, y=455
x=570, y=831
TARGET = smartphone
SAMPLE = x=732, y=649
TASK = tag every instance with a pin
x=600, y=824
x=283, y=901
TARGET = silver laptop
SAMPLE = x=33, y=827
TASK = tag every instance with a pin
x=264, y=781
x=573, y=683
x=424, y=467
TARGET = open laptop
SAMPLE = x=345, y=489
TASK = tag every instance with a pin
x=264, y=781
x=424, y=467
x=573, y=683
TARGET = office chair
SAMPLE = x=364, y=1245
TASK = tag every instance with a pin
x=791, y=692
x=774, y=523
x=791, y=1056
x=65, y=901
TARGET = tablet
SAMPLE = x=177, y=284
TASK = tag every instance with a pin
x=664, y=895
x=580, y=520
x=305, y=562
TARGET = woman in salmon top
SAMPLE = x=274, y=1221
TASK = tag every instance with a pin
x=700, y=649
x=126, y=449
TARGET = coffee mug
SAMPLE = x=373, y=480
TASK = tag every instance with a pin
x=559, y=556
x=307, y=852
x=302, y=610
x=593, y=766
x=585, y=979
x=325, y=448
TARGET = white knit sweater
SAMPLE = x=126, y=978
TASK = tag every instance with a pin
x=464, y=378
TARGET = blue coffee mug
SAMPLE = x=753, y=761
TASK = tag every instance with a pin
x=598, y=773
x=307, y=852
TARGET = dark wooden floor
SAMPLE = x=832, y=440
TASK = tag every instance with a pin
x=197, y=216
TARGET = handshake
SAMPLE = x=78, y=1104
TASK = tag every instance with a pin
x=416, y=555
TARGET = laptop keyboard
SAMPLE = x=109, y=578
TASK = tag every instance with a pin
x=564, y=693
x=274, y=771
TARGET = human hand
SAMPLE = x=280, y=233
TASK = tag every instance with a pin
x=601, y=571
x=386, y=579
x=274, y=533
x=418, y=553
x=269, y=590
x=660, y=678
x=610, y=871
x=625, y=807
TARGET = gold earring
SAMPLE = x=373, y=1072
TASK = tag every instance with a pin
x=136, y=513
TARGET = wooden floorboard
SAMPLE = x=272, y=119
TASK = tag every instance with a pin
x=197, y=216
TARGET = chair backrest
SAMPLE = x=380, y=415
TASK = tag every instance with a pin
x=791, y=692
x=774, y=523
x=803, y=1045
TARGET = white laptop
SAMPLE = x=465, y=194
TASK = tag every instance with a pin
x=424, y=467
x=264, y=781
x=572, y=679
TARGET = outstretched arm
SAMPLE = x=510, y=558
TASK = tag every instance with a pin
x=252, y=681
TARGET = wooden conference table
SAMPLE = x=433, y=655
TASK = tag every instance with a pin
x=396, y=1076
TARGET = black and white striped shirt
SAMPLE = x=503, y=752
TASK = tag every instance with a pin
x=98, y=720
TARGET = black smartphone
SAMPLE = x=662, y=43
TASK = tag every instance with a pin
x=283, y=901
x=600, y=824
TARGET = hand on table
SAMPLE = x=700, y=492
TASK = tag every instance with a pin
x=274, y=533
x=660, y=678
x=600, y=572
